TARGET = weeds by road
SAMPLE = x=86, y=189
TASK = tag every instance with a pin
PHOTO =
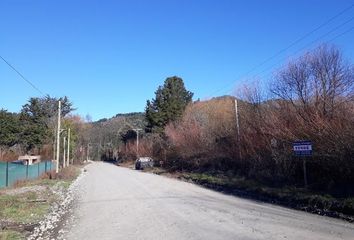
x=27, y=203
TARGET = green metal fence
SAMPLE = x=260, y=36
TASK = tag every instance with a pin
x=12, y=172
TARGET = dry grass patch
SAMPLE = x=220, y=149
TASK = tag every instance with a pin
x=26, y=207
x=10, y=235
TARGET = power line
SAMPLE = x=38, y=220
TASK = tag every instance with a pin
x=300, y=39
x=341, y=34
x=274, y=65
x=291, y=45
x=332, y=39
x=316, y=40
x=23, y=77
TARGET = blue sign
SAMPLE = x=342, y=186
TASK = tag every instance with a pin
x=302, y=148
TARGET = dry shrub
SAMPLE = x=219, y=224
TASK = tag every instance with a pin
x=313, y=99
x=68, y=173
x=128, y=151
x=21, y=183
x=145, y=147
x=8, y=155
x=48, y=175
x=205, y=137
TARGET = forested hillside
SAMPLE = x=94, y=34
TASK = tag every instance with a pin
x=107, y=136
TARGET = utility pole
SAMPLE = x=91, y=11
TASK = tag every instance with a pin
x=58, y=139
x=54, y=143
x=238, y=129
x=68, y=153
x=64, y=154
x=137, y=140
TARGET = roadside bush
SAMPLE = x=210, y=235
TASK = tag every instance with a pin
x=68, y=173
x=205, y=136
x=312, y=99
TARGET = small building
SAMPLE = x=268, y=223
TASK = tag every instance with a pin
x=30, y=160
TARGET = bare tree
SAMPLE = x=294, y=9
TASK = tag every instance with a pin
x=320, y=80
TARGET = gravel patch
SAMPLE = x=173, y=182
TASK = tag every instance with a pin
x=49, y=228
x=21, y=190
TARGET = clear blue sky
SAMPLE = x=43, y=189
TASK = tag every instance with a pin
x=109, y=57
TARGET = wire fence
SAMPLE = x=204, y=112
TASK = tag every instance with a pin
x=12, y=172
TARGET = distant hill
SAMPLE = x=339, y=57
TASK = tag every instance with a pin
x=132, y=114
x=135, y=118
x=108, y=132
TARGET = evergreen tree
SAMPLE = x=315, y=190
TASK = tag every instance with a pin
x=38, y=118
x=170, y=101
x=10, y=129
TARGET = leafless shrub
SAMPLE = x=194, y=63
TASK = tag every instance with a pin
x=205, y=136
x=313, y=99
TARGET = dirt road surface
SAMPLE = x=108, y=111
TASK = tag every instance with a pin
x=119, y=203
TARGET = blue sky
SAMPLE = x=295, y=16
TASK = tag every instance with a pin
x=109, y=57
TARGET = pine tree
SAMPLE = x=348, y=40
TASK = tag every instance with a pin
x=38, y=118
x=170, y=101
x=10, y=128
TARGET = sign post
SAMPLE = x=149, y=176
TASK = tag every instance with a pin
x=303, y=149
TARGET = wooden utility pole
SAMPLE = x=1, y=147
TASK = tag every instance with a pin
x=64, y=154
x=54, y=143
x=137, y=140
x=58, y=139
x=137, y=143
x=68, y=153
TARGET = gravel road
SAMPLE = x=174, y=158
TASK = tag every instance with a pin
x=119, y=203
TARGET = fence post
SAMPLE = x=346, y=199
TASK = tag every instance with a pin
x=27, y=170
x=7, y=174
x=38, y=168
x=45, y=166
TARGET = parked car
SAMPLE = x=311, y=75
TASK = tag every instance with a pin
x=144, y=162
